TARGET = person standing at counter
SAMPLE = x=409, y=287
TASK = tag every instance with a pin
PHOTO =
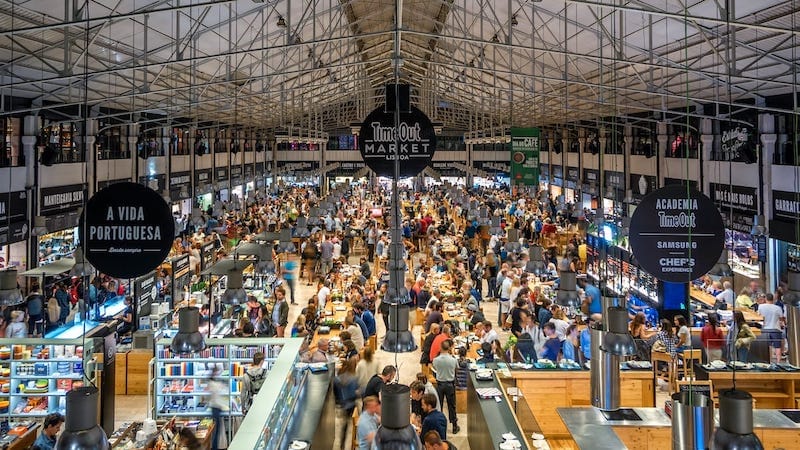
x=280, y=312
x=552, y=346
x=434, y=419
x=35, y=305
x=773, y=323
x=127, y=317
x=592, y=304
x=62, y=296
x=712, y=338
x=368, y=422
x=375, y=384
x=50, y=428
x=17, y=328
x=444, y=366
x=725, y=299
x=743, y=337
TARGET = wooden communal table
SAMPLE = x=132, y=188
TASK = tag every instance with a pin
x=332, y=311
x=547, y=390
x=709, y=300
x=771, y=389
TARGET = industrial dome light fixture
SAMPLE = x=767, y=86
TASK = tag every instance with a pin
x=188, y=340
x=9, y=292
x=81, y=431
x=735, y=430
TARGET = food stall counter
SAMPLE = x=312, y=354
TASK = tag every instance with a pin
x=111, y=310
x=19, y=436
x=708, y=300
x=490, y=416
x=590, y=429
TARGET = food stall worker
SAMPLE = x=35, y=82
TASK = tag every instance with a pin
x=591, y=301
x=50, y=428
x=127, y=317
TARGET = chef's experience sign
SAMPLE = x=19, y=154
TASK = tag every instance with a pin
x=412, y=142
x=129, y=230
x=676, y=236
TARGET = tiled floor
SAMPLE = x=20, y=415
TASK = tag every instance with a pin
x=134, y=407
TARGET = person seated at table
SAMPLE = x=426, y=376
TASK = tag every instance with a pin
x=433, y=441
x=552, y=345
x=487, y=356
x=488, y=334
x=475, y=315
x=435, y=316
x=50, y=428
x=745, y=300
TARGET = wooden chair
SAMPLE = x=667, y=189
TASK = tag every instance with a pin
x=689, y=357
x=667, y=375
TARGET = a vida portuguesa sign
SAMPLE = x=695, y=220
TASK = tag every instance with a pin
x=412, y=142
x=128, y=230
x=676, y=235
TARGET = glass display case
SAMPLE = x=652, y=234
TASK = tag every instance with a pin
x=36, y=374
x=181, y=381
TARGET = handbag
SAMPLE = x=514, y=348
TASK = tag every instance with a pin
x=659, y=346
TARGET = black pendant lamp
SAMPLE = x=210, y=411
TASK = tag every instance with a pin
x=235, y=293
x=9, y=292
x=396, y=431
x=81, y=431
x=735, y=431
x=189, y=339
x=617, y=340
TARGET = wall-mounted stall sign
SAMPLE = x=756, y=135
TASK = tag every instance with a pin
x=129, y=230
x=591, y=178
x=412, y=142
x=53, y=200
x=236, y=174
x=676, y=236
x=572, y=177
x=146, y=292
x=525, y=156
x=494, y=167
x=738, y=205
x=202, y=180
x=180, y=185
x=641, y=185
x=221, y=174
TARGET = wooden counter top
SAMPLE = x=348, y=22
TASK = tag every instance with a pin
x=709, y=300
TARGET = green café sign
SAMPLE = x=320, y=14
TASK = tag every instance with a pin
x=525, y=156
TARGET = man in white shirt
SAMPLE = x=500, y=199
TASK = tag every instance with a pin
x=489, y=334
x=322, y=295
x=773, y=318
x=505, y=296
x=727, y=295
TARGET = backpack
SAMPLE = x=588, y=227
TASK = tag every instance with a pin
x=256, y=382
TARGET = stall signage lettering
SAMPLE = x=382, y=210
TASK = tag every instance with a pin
x=180, y=266
x=525, y=162
x=60, y=198
x=180, y=178
x=128, y=228
x=14, y=232
x=615, y=179
x=412, y=142
x=737, y=197
x=676, y=237
x=13, y=207
x=786, y=206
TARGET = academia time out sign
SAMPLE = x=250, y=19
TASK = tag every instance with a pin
x=128, y=230
x=412, y=142
x=676, y=236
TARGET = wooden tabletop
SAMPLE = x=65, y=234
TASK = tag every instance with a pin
x=709, y=300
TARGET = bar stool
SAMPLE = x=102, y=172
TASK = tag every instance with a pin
x=689, y=357
x=667, y=375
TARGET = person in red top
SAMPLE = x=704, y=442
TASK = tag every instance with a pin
x=436, y=345
x=712, y=339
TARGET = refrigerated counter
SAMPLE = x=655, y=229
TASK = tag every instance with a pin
x=110, y=311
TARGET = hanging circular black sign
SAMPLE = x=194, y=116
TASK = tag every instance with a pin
x=412, y=143
x=128, y=230
x=676, y=237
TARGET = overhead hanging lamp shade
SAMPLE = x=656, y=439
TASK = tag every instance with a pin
x=735, y=431
x=235, y=293
x=81, y=431
x=188, y=340
x=721, y=268
x=617, y=340
x=9, y=293
x=82, y=266
x=39, y=226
